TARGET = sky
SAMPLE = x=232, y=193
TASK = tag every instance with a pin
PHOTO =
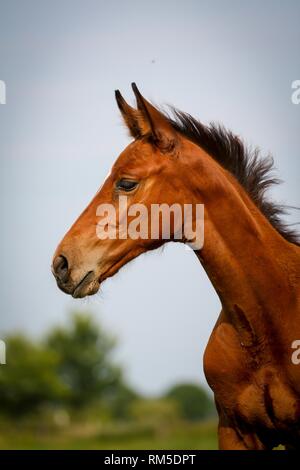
x=60, y=132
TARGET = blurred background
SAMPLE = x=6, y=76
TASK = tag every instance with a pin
x=124, y=370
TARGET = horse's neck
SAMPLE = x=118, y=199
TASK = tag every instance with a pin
x=249, y=264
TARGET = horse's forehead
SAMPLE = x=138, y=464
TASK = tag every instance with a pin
x=136, y=153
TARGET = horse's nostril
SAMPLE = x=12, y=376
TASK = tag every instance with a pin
x=60, y=267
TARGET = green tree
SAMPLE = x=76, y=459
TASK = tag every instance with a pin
x=193, y=401
x=85, y=365
x=29, y=379
x=120, y=402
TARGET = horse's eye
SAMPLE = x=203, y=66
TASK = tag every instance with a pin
x=126, y=185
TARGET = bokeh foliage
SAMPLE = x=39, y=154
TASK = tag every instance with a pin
x=66, y=390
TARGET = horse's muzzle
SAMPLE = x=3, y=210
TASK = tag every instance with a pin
x=78, y=288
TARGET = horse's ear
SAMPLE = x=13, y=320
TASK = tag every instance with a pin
x=153, y=122
x=130, y=115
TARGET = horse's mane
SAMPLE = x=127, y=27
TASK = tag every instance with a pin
x=251, y=170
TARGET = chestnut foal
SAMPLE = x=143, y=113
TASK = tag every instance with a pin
x=251, y=258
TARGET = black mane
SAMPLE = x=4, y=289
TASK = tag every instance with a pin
x=251, y=170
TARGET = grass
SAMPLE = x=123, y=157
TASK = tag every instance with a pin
x=181, y=435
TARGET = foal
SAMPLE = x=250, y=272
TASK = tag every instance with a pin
x=251, y=258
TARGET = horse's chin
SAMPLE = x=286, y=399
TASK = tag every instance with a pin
x=85, y=289
x=90, y=283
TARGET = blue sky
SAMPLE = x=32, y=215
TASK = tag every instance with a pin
x=230, y=61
